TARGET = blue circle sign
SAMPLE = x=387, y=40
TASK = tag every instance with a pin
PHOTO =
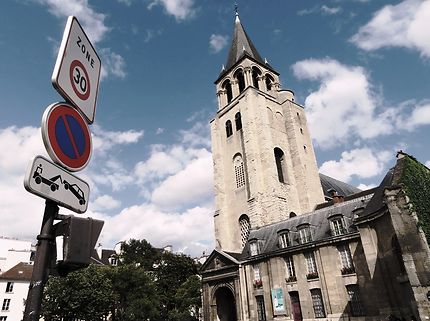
x=66, y=136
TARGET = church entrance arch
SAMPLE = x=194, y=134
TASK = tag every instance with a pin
x=225, y=304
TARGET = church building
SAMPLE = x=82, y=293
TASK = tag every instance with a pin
x=293, y=244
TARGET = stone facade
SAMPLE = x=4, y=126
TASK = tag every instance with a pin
x=284, y=252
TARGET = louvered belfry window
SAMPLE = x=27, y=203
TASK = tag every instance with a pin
x=245, y=227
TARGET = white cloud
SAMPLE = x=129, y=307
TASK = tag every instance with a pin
x=94, y=25
x=427, y=164
x=126, y=2
x=105, y=202
x=330, y=10
x=180, y=9
x=179, y=176
x=191, y=186
x=104, y=140
x=92, y=21
x=191, y=230
x=365, y=187
x=405, y=24
x=217, y=42
x=345, y=104
x=159, y=131
x=418, y=114
x=112, y=64
x=362, y=163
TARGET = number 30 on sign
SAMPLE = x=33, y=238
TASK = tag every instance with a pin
x=76, y=74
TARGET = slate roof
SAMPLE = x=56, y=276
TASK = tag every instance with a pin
x=318, y=220
x=20, y=272
x=242, y=46
x=341, y=188
x=376, y=203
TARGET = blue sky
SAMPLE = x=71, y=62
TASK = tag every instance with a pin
x=361, y=69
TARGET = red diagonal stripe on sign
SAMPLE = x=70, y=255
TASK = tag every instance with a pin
x=72, y=138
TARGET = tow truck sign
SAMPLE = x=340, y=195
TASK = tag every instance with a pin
x=52, y=182
x=77, y=70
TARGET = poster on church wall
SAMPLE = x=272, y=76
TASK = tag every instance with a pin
x=278, y=301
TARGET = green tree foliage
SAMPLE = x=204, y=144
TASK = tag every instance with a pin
x=139, y=252
x=416, y=181
x=149, y=285
x=86, y=294
x=135, y=295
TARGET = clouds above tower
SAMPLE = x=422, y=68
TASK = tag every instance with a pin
x=405, y=24
x=344, y=106
x=180, y=9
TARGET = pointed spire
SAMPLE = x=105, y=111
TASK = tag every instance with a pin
x=237, y=20
x=241, y=45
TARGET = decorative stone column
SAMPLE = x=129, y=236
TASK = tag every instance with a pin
x=222, y=98
x=247, y=76
x=235, y=88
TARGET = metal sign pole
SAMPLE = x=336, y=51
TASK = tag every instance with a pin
x=41, y=263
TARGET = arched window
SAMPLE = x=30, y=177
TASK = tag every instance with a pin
x=226, y=85
x=240, y=79
x=238, y=120
x=292, y=214
x=255, y=74
x=245, y=227
x=269, y=82
x=228, y=128
x=280, y=160
x=239, y=171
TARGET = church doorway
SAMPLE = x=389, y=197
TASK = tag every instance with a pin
x=225, y=305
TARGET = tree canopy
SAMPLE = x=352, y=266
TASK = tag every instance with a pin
x=148, y=284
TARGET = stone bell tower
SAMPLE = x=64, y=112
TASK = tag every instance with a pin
x=264, y=162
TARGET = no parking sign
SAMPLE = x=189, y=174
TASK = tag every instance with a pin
x=77, y=70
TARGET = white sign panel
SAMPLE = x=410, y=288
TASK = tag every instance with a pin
x=52, y=182
x=77, y=70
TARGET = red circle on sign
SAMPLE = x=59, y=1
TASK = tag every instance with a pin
x=66, y=136
x=79, y=80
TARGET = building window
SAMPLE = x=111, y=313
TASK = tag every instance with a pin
x=311, y=266
x=240, y=79
x=245, y=227
x=305, y=234
x=255, y=74
x=3, y=318
x=228, y=128
x=238, y=121
x=291, y=271
x=280, y=164
x=317, y=303
x=337, y=226
x=284, y=239
x=227, y=87
x=346, y=259
x=5, y=306
x=239, y=171
x=269, y=82
x=355, y=305
x=257, y=276
x=9, y=287
x=261, y=310
x=253, y=248
x=113, y=261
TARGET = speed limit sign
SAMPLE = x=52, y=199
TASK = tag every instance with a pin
x=77, y=70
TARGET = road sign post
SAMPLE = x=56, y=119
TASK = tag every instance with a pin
x=67, y=140
x=40, y=269
x=77, y=70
